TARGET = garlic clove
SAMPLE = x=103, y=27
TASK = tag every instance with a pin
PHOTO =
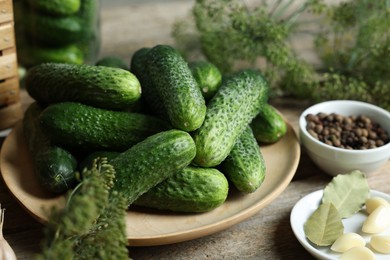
x=358, y=252
x=347, y=241
x=377, y=221
x=6, y=252
x=381, y=244
x=375, y=202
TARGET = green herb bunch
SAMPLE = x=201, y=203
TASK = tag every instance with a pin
x=92, y=223
x=230, y=32
x=352, y=45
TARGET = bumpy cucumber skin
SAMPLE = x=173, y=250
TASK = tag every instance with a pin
x=56, y=7
x=245, y=166
x=173, y=81
x=191, y=190
x=98, y=86
x=151, y=161
x=208, y=77
x=237, y=102
x=268, y=126
x=151, y=102
x=80, y=126
x=54, y=166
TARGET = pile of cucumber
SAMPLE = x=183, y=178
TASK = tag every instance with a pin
x=179, y=135
x=57, y=31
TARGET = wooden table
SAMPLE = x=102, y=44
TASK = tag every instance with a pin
x=127, y=26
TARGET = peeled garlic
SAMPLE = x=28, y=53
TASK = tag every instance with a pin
x=347, y=241
x=6, y=252
x=381, y=244
x=358, y=252
x=377, y=221
x=374, y=202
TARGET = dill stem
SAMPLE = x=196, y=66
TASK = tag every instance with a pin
x=275, y=6
x=292, y=18
x=282, y=10
x=309, y=21
x=72, y=194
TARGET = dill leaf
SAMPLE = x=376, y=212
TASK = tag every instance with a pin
x=92, y=223
x=351, y=39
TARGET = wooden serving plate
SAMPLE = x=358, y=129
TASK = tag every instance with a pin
x=153, y=227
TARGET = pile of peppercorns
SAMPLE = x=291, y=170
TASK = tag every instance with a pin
x=349, y=132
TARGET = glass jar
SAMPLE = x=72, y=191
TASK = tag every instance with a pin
x=57, y=31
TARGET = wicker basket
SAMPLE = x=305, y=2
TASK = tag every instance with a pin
x=10, y=108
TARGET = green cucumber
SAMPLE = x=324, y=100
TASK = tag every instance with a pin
x=99, y=86
x=30, y=55
x=208, y=77
x=54, y=166
x=151, y=161
x=56, y=7
x=239, y=99
x=90, y=43
x=190, y=190
x=62, y=30
x=245, y=165
x=54, y=31
x=268, y=126
x=173, y=82
x=151, y=102
x=80, y=126
x=112, y=61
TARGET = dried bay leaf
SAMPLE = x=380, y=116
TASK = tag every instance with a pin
x=347, y=192
x=324, y=226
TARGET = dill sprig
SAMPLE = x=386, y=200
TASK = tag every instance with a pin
x=92, y=223
x=229, y=32
x=351, y=40
x=354, y=47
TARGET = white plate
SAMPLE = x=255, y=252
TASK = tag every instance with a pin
x=308, y=204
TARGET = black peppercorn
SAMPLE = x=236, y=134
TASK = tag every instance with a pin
x=356, y=132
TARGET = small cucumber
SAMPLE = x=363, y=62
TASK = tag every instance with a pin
x=80, y=126
x=31, y=55
x=54, y=31
x=98, y=86
x=238, y=100
x=151, y=161
x=245, y=165
x=89, y=15
x=190, y=190
x=150, y=100
x=208, y=77
x=173, y=82
x=56, y=7
x=54, y=166
x=268, y=126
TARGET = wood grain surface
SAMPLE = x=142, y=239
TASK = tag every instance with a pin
x=127, y=26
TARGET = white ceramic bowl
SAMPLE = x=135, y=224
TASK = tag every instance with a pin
x=335, y=160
